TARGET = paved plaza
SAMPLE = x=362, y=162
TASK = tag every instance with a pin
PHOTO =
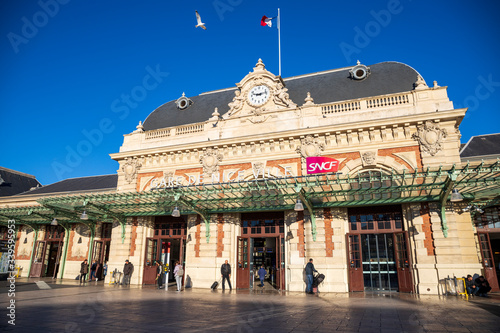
x=98, y=307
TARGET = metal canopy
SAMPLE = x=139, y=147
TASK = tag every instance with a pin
x=479, y=184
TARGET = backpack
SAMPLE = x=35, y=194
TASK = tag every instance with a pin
x=180, y=272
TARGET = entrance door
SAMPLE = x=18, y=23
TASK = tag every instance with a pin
x=243, y=273
x=379, y=262
x=280, y=263
x=405, y=280
x=354, y=264
x=53, y=253
x=151, y=257
x=37, y=266
x=488, y=262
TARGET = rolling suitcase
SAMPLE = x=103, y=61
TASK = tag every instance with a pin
x=215, y=285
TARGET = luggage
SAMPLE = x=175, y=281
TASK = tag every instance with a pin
x=214, y=285
x=318, y=278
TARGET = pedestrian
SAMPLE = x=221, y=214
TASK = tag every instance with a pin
x=105, y=269
x=483, y=285
x=178, y=273
x=84, y=269
x=225, y=271
x=98, y=274
x=262, y=275
x=159, y=274
x=93, y=270
x=470, y=286
x=128, y=269
x=309, y=274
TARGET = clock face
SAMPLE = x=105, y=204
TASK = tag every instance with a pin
x=258, y=95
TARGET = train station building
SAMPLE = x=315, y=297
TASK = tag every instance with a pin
x=360, y=168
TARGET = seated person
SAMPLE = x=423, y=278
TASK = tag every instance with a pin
x=470, y=285
x=483, y=285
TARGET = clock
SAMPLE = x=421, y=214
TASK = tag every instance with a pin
x=258, y=95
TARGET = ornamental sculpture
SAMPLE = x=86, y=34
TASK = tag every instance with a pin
x=237, y=102
x=130, y=169
x=430, y=137
x=210, y=161
x=369, y=158
x=310, y=147
x=281, y=96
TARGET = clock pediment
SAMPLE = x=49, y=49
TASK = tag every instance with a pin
x=260, y=91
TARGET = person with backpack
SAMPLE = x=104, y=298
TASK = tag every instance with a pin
x=309, y=274
x=178, y=273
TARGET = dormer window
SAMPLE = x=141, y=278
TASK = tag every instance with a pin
x=359, y=72
x=183, y=102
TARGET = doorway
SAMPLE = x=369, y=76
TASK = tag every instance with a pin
x=261, y=244
x=48, y=253
x=169, y=240
x=378, y=258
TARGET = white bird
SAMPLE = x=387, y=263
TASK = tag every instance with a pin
x=200, y=24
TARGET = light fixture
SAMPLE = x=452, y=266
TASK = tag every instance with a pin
x=84, y=216
x=54, y=222
x=175, y=212
x=456, y=196
x=299, y=206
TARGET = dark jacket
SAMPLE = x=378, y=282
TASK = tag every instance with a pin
x=225, y=269
x=310, y=268
x=84, y=268
x=128, y=269
x=471, y=284
x=262, y=273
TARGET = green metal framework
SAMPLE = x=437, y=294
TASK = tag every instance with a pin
x=478, y=183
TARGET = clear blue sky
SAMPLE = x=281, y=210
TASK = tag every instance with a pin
x=65, y=67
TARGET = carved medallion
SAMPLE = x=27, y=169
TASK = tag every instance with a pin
x=369, y=158
x=310, y=147
x=210, y=161
x=130, y=169
x=430, y=137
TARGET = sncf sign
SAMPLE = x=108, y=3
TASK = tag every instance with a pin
x=318, y=164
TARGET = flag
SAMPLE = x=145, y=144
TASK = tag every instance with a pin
x=267, y=21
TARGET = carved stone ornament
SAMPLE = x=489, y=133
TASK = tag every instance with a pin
x=309, y=100
x=237, y=103
x=130, y=169
x=430, y=137
x=420, y=84
x=310, y=147
x=281, y=97
x=210, y=161
x=369, y=158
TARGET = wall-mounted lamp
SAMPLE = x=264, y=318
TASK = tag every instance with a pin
x=176, y=212
x=54, y=222
x=84, y=216
x=299, y=206
x=456, y=196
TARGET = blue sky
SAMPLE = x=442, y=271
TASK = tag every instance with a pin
x=67, y=66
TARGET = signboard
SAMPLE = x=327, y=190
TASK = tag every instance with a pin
x=319, y=164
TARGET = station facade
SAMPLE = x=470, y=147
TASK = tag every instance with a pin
x=358, y=168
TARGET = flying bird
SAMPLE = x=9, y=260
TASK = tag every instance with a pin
x=200, y=24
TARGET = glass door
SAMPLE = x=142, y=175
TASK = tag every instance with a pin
x=243, y=269
x=488, y=262
x=379, y=262
x=355, y=269
x=405, y=279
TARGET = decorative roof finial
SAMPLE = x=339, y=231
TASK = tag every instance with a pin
x=139, y=127
x=216, y=113
x=309, y=100
x=420, y=84
x=259, y=66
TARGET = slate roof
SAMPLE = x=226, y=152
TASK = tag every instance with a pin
x=481, y=146
x=13, y=182
x=325, y=87
x=92, y=183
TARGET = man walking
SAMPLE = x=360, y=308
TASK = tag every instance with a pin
x=309, y=274
x=84, y=269
x=128, y=269
x=159, y=274
x=225, y=271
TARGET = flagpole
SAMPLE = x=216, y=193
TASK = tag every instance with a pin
x=279, y=42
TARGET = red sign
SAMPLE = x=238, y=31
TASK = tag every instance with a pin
x=319, y=164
